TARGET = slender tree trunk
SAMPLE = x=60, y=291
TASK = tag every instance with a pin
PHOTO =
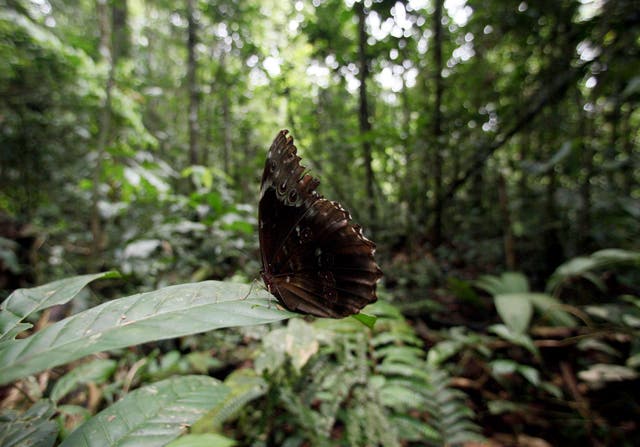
x=508, y=238
x=611, y=153
x=421, y=168
x=523, y=182
x=407, y=183
x=226, y=116
x=586, y=151
x=227, y=126
x=365, y=123
x=628, y=179
x=476, y=195
x=550, y=93
x=104, y=130
x=226, y=120
x=553, y=250
x=120, y=34
x=438, y=203
x=192, y=85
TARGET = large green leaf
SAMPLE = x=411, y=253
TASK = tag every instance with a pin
x=582, y=265
x=24, y=302
x=552, y=308
x=508, y=282
x=151, y=416
x=515, y=309
x=166, y=313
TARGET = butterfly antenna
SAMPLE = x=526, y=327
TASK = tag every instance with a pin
x=250, y=290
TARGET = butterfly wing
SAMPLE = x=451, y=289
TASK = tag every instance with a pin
x=315, y=260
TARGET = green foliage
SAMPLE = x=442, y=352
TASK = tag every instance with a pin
x=168, y=407
x=204, y=440
x=515, y=303
x=97, y=372
x=408, y=383
x=33, y=427
x=41, y=83
x=584, y=266
x=456, y=340
x=332, y=374
x=244, y=386
x=23, y=303
x=536, y=121
x=529, y=380
x=166, y=313
x=326, y=363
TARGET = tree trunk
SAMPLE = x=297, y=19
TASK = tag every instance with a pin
x=226, y=123
x=365, y=124
x=192, y=83
x=525, y=149
x=104, y=130
x=120, y=34
x=438, y=203
x=586, y=151
x=508, y=238
x=407, y=183
x=553, y=250
x=628, y=176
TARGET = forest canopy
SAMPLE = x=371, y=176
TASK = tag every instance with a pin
x=490, y=148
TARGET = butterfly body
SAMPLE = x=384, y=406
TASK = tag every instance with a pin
x=314, y=259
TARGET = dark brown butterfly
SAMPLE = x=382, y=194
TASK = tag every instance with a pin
x=314, y=259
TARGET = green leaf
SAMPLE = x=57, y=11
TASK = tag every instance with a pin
x=551, y=307
x=368, y=320
x=32, y=428
x=599, y=374
x=203, y=440
x=442, y=351
x=416, y=430
x=96, y=371
x=298, y=341
x=634, y=361
x=505, y=406
x=24, y=302
x=515, y=337
x=582, y=265
x=530, y=373
x=152, y=415
x=515, y=309
x=552, y=389
x=8, y=255
x=508, y=282
x=503, y=367
x=171, y=312
x=244, y=386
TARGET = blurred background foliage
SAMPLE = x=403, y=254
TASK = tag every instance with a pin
x=489, y=147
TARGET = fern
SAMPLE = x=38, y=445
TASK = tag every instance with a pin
x=411, y=384
x=360, y=388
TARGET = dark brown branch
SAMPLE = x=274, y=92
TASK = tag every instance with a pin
x=544, y=97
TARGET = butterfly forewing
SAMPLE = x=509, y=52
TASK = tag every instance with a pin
x=315, y=260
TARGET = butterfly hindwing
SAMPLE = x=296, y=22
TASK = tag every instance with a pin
x=315, y=260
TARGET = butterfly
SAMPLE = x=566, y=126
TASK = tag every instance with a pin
x=314, y=259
